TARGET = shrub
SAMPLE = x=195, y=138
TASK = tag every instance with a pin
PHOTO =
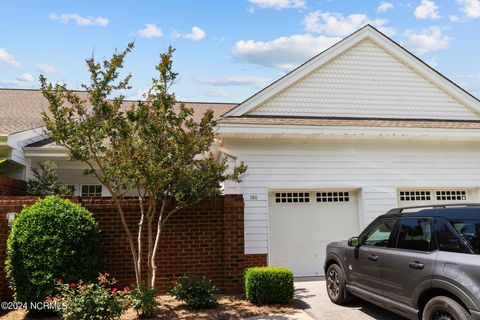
x=92, y=301
x=52, y=238
x=143, y=301
x=266, y=285
x=198, y=292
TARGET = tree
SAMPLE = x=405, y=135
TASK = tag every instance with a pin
x=45, y=181
x=153, y=146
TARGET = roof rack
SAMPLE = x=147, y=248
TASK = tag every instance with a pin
x=433, y=206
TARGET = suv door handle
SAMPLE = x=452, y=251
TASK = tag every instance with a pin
x=372, y=257
x=416, y=265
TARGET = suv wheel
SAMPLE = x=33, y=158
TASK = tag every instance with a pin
x=335, y=281
x=444, y=308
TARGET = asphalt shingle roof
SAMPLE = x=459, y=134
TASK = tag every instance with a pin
x=21, y=109
x=400, y=123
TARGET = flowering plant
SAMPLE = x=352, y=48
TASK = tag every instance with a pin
x=92, y=301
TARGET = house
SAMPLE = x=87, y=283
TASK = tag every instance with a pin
x=362, y=127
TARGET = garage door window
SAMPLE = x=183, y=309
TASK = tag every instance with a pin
x=333, y=196
x=292, y=197
x=417, y=195
x=433, y=196
x=458, y=195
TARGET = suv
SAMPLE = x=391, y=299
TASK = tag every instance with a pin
x=419, y=262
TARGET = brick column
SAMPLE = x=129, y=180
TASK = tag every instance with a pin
x=234, y=244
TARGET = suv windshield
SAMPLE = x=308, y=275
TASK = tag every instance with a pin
x=470, y=231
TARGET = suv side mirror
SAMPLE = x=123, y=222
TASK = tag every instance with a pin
x=353, y=242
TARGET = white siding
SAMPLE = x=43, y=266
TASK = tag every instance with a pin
x=365, y=81
x=376, y=169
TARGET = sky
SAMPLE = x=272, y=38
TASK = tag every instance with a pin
x=226, y=50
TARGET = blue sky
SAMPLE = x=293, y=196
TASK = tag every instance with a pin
x=226, y=50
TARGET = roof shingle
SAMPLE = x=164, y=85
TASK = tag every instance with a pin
x=401, y=123
x=21, y=109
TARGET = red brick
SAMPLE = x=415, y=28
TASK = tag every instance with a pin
x=207, y=238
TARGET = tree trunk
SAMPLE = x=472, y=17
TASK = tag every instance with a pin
x=129, y=235
x=152, y=263
x=139, y=238
x=153, y=205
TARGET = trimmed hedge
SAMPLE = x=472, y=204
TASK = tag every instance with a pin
x=267, y=285
x=51, y=239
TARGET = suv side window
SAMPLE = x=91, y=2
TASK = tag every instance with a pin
x=415, y=234
x=379, y=234
x=448, y=238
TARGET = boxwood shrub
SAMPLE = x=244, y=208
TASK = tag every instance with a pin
x=52, y=239
x=267, y=285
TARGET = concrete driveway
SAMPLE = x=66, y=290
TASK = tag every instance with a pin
x=312, y=297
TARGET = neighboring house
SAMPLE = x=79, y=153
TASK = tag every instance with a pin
x=362, y=127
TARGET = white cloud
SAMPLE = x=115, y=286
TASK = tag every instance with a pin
x=8, y=59
x=79, y=20
x=283, y=52
x=197, y=34
x=279, y=4
x=427, y=10
x=453, y=18
x=384, y=6
x=27, y=77
x=150, y=31
x=471, y=8
x=216, y=93
x=235, y=81
x=25, y=80
x=335, y=24
x=47, y=68
x=430, y=39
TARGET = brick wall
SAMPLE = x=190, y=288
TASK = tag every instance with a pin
x=207, y=238
x=12, y=187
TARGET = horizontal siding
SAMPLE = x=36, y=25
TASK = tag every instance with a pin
x=375, y=169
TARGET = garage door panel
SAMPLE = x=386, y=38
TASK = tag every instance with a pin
x=300, y=231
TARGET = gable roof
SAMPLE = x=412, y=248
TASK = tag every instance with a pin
x=456, y=103
x=21, y=109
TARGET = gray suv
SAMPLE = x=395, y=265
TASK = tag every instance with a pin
x=419, y=262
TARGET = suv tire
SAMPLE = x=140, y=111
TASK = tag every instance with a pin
x=335, y=281
x=444, y=308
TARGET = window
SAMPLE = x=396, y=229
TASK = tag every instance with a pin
x=333, y=196
x=292, y=197
x=469, y=230
x=379, y=234
x=415, y=234
x=448, y=239
x=91, y=190
x=455, y=195
x=417, y=195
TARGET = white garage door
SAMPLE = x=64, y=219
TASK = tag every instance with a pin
x=427, y=196
x=302, y=223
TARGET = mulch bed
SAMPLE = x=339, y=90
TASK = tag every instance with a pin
x=229, y=307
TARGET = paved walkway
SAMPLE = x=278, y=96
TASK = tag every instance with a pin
x=312, y=297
